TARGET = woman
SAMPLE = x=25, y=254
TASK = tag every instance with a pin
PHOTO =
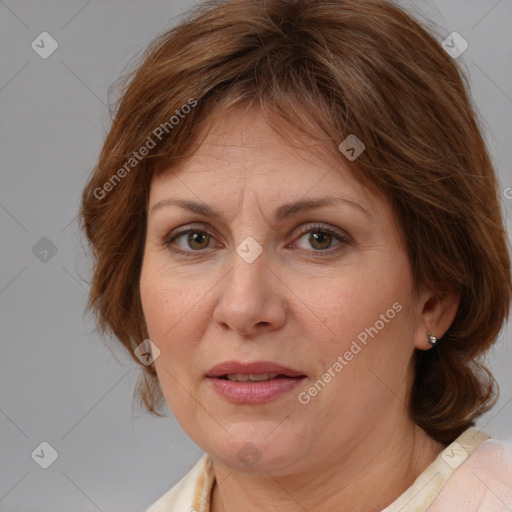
x=297, y=235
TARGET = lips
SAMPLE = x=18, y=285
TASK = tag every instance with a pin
x=255, y=369
x=253, y=383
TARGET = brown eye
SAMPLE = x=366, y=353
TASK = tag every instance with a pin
x=196, y=240
x=190, y=240
x=320, y=239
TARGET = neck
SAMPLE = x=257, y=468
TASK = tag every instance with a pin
x=366, y=478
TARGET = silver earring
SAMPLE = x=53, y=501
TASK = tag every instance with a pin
x=432, y=339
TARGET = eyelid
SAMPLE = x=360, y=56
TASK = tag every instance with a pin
x=320, y=226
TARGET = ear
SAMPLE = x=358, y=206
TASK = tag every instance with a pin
x=438, y=313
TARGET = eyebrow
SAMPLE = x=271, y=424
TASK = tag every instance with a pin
x=282, y=212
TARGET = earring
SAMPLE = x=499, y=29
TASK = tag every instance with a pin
x=432, y=339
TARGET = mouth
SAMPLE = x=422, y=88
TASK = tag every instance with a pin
x=255, y=371
x=253, y=383
x=254, y=377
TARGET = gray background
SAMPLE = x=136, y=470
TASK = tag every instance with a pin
x=59, y=381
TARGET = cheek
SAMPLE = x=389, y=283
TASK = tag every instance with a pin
x=154, y=301
x=164, y=302
x=173, y=314
x=163, y=307
x=348, y=304
x=362, y=315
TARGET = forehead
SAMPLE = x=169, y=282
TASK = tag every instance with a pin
x=240, y=150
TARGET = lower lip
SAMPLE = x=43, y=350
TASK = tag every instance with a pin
x=254, y=392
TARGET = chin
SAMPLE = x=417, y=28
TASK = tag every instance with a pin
x=255, y=452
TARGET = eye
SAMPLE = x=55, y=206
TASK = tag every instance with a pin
x=321, y=238
x=195, y=240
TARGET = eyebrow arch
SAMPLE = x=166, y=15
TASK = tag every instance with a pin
x=282, y=212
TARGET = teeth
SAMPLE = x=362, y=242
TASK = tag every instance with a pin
x=262, y=376
x=243, y=377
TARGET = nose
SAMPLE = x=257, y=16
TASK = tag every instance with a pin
x=252, y=299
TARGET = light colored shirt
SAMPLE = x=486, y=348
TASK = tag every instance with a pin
x=472, y=474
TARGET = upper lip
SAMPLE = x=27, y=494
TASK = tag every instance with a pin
x=256, y=367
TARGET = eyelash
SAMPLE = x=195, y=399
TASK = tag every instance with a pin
x=311, y=228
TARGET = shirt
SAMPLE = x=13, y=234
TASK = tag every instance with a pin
x=472, y=474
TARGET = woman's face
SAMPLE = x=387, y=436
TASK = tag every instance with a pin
x=324, y=292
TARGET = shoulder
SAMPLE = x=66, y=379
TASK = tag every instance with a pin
x=482, y=482
x=189, y=491
x=493, y=455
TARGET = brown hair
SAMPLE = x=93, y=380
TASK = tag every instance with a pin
x=335, y=67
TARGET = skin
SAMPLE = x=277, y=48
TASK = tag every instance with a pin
x=301, y=303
